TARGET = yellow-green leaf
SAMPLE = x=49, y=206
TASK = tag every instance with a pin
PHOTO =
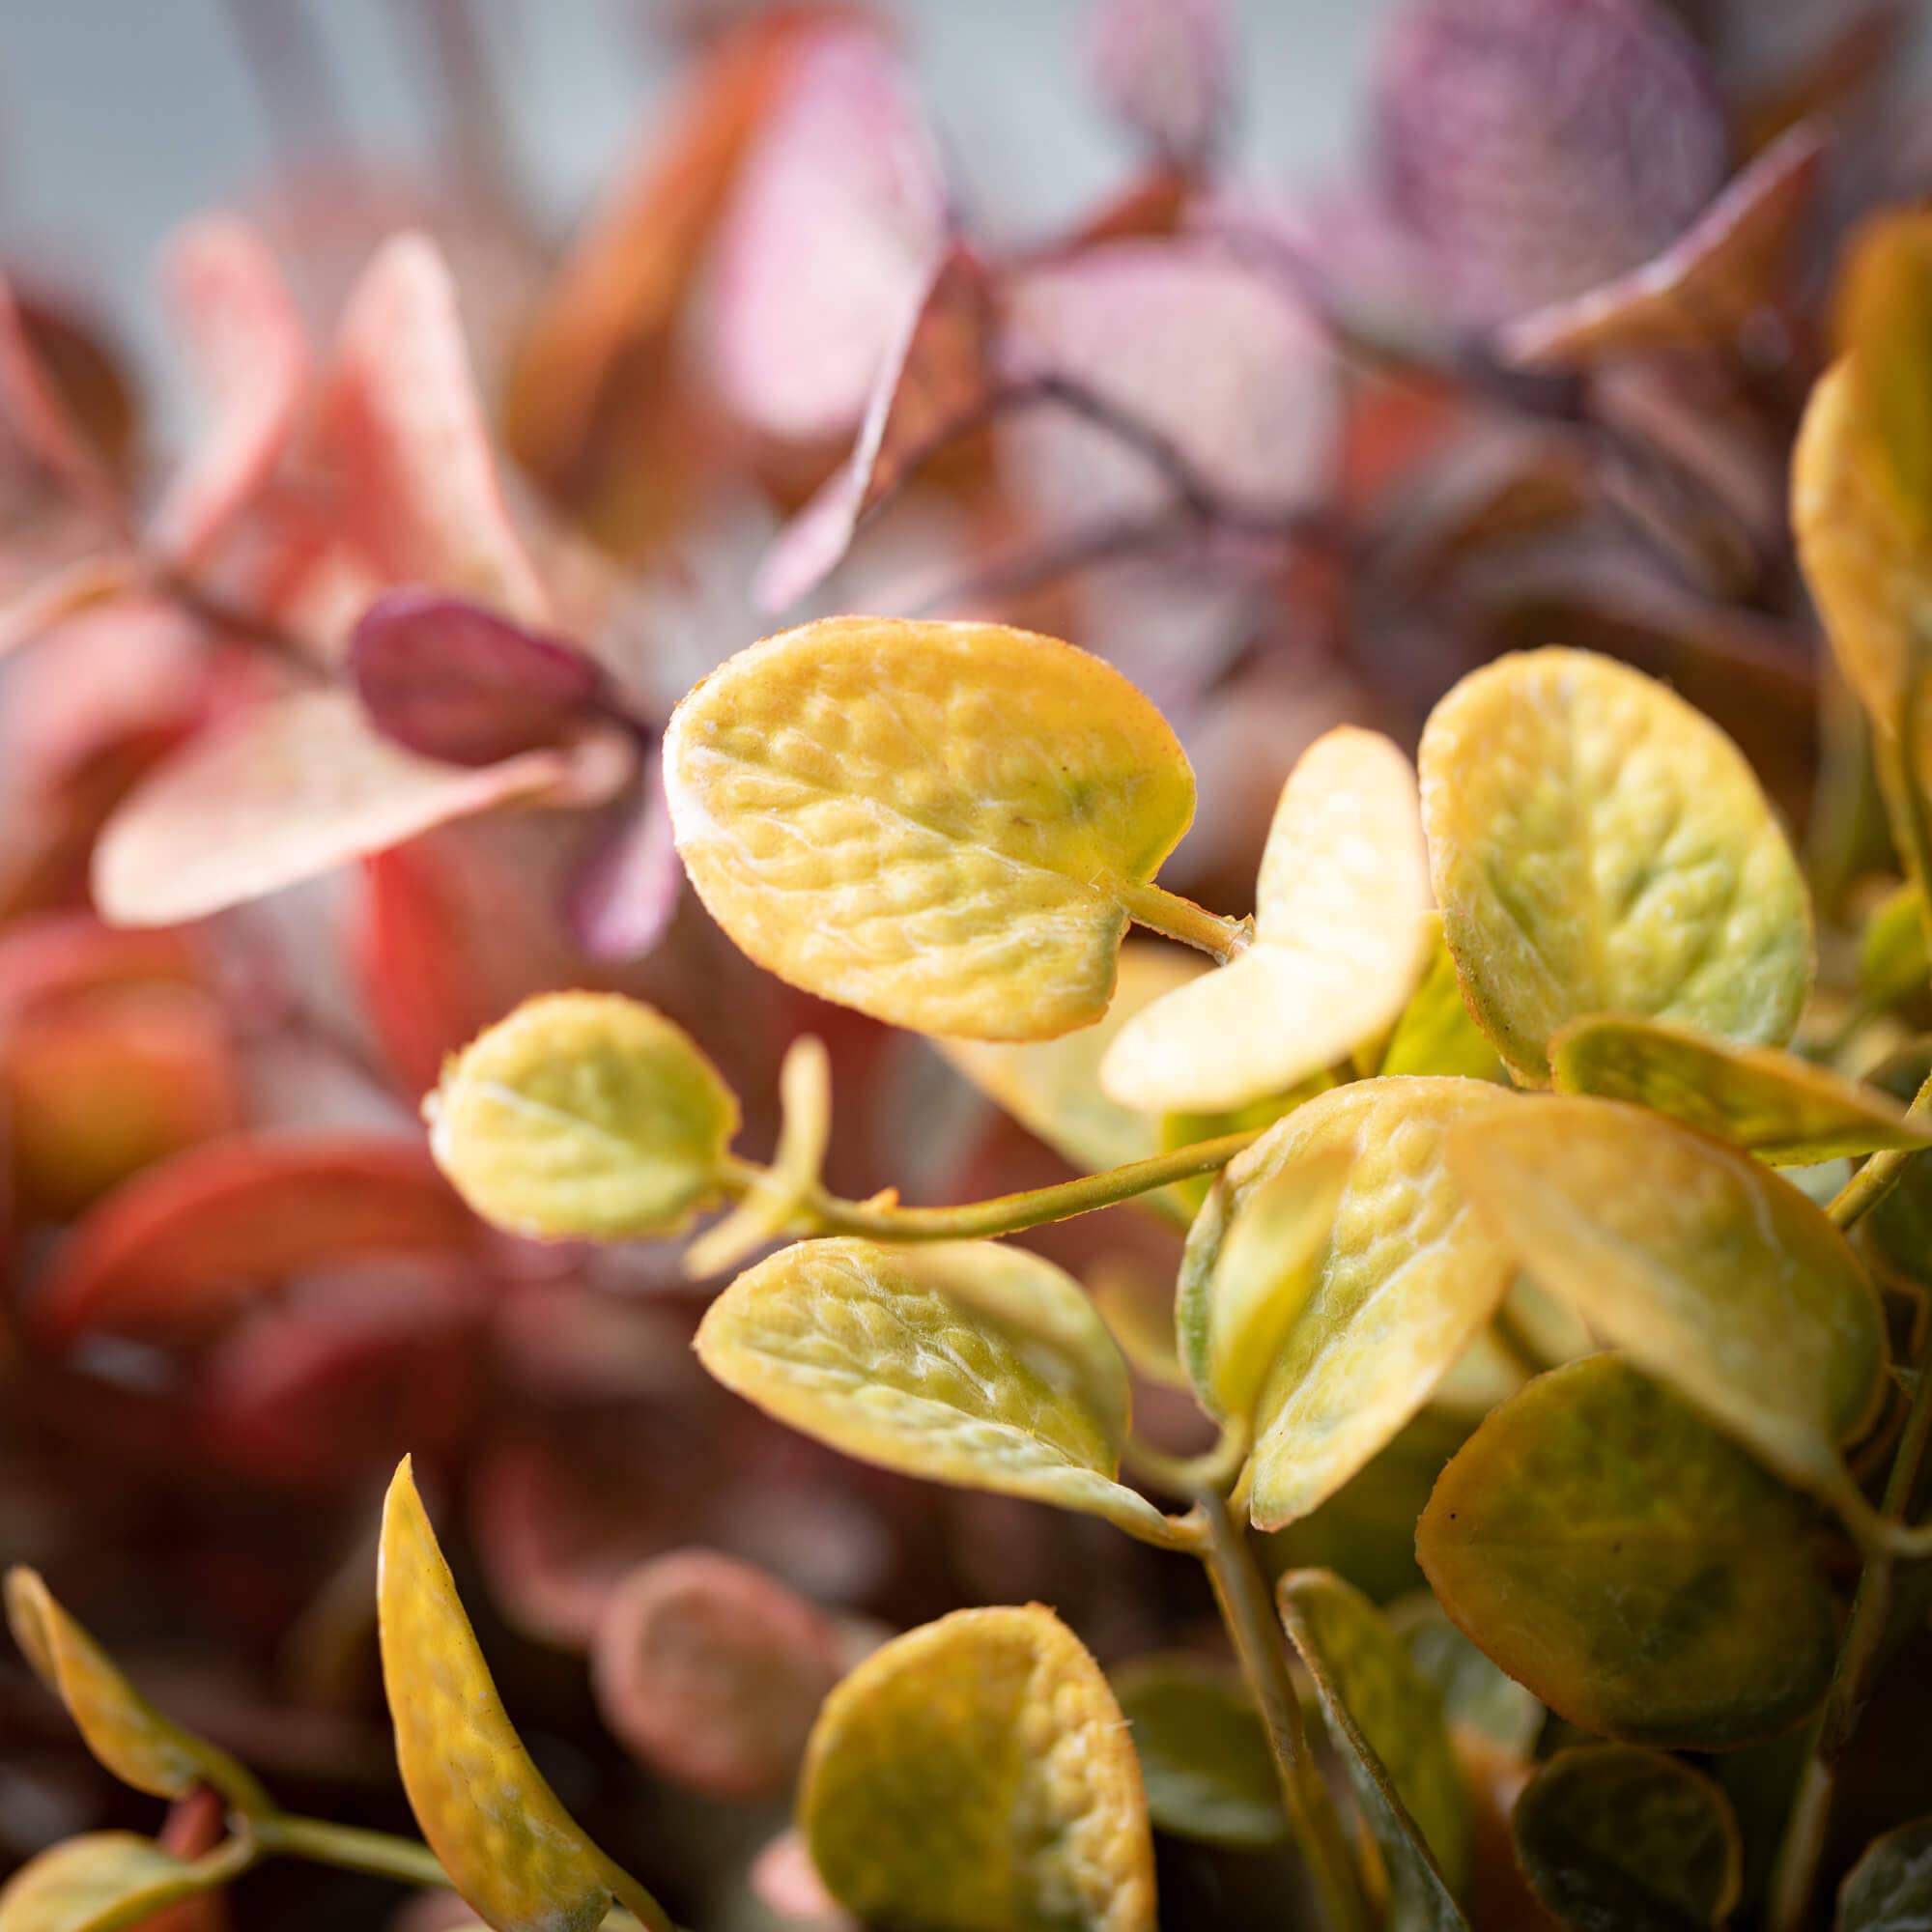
x=1204, y=1756
x=1636, y=1569
x=1614, y=1835
x=98, y=1883
x=1339, y=942
x=1885, y=322
x=941, y=824
x=965, y=1362
x=584, y=1115
x=1437, y=1034
x=1892, y=962
x=976, y=1776
x=1702, y=1265
x=1599, y=846
x=517, y=1858
x=1386, y=1720
x=1409, y=1279
x=1890, y=1888
x=1781, y=1108
x=132, y=1739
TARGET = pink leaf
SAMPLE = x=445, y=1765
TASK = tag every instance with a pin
x=1165, y=70
x=625, y=888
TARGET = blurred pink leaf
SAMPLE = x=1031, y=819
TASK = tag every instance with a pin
x=624, y=891
x=1165, y=71
x=786, y=1883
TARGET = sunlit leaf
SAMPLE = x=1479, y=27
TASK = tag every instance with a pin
x=1435, y=1033
x=1204, y=1756
x=1892, y=962
x=1386, y=1720
x=1891, y=1887
x=1614, y=1835
x=939, y=824
x=96, y=1883
x=965, y=1362
x=976, y=1776
x=583, y=1114
x=1411, y=1277
x=513, y=1852
x=1165, y=71
x=1339, y=941
x=1598, y=846
x=1632, y=1566
x=1705, y=1267
x=1476, y=1695
x=1786, y=1110
x=1885, y=317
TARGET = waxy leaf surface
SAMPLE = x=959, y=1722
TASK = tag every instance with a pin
x=96, y=1883
x=934, y=823
x=1598, y=846
x=1702, y=1265
x=976, y=1776
x=584, y=1115
x=1409, y=1278
x=1614, y=1835
x=1783, y=1109
x=1202, y=1752
x=1386, y=1720
x=1890, y=1888
x=1340, y=939
x=1635, y=1569
x=969, y=1363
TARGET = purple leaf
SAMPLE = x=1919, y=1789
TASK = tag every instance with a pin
x=625, y=888
x=1165, y=71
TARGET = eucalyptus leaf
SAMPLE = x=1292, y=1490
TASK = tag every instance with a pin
x=1204, y=1754
x=1890, y=1888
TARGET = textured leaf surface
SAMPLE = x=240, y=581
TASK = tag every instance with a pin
x=94, y=1882
x=934, y=823
x=583, y=1114
x=1890, y=1888
x=1409, y=1278
x=1386, y=1720
x=1783, y=1109
x=1706, y=1269
x=1614, y=1835
x=513, y=1852
x=1598, y=846
x=1633, y=1567
x=964, y=1362
x=1202, y=1752
x=976, y=1776
x=1340, y=939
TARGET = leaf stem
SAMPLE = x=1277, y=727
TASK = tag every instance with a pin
x=1176, y=918
x=1189, y=1475
x=1261, y=1649
x=350, y=1848
x=1878, y=1177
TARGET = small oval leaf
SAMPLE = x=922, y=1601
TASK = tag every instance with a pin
x=99, y=1881
x=1202, y=1752
x=976, y=1773
x=1890, y=1888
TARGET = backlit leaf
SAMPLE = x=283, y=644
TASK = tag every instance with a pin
x=1890, y=1888
x=584, y=1115
x=976, y=1776
x=1202, y=1752
x=1435, y=1033
x=94, y=1882
x=1702, y=1264
x=1386, y=1720
x=1885, y=318
x=1632, y=1566
x=1786, y=1110
x=939, y=824
x=1614, y=1835
x=1339, y=942
x=1598, y=846
x=965, y=1362
x=1408, y=1280
x=1892, y=962
x=514, y=1853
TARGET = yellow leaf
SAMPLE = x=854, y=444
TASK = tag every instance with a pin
x=1781, y=1108
x=1339, y=938
x=1707, y=1269
x=1598, y=846
x=1409, y=1279
x=942, y=825
x=965, y=1362
x=514, y=1853
x=976, y=1776
x=96, y=1883
x=1885, y=325
x=1437, y=1034
x=1638, y=1572
x=582, y=1115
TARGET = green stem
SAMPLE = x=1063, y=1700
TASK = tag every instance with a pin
x=1261, y=1649
x=350, y=1848
x=1879, y=1175
x=1189, y=1475
x=1176, y=918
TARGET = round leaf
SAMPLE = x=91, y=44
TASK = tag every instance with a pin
x=1202, y=1752
x=976, y=1776
x=1637, y=1571
x=584, y=1115
x=1705, y=1267
x=1598, y=846
x=1612, y=1836
x=938, y=824
x=1890, y=1888
x=94, y=1883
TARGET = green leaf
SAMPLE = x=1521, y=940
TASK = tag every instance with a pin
x=1204, y=1754
x=1598, y=846
x=1706, y=1269
x=1781, y=1108
x=964, y=1362
x=1437, y=1032
x=1407, y=1281
x=976, y=1776
x=943, y=825
x=1892, y=962
x=1386, y=1720
x=98, y=1883
x=1475, y=1693
x=1614, y=1835
x=1890, y=1888
x=1605, y=1546
x=584, y=1115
